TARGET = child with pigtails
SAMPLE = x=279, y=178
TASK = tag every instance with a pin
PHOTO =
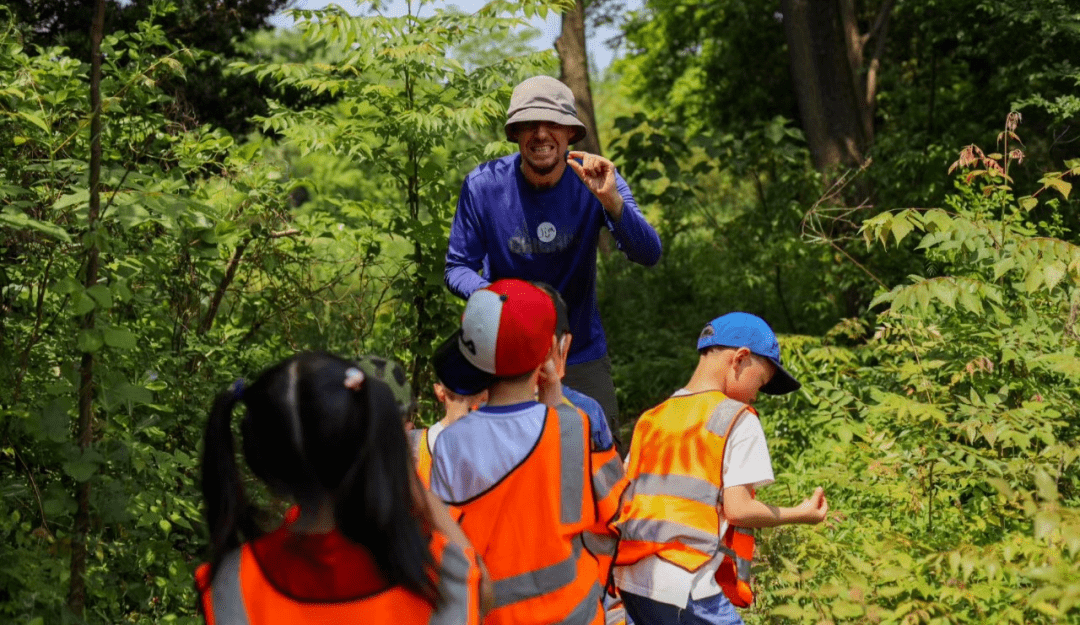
x=365, y=543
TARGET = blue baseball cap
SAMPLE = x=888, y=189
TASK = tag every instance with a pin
x=739, y=329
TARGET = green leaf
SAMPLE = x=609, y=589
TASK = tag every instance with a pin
x=901, y=227
x=35, y=120
x=54, y=422
x=1028, y=203
x=79, y=197
x=83, y=466
x=119, y=338
x=1058, y=185
x=67, y=285
x=15, y=218
x=90, y=340
x=128, y=392
x=101, y=294
x=789, y=610
x=83, y=304
x=1053, y=273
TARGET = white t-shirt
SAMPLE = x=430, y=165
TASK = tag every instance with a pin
x=477, y=451
x=433, y=433
x=747, y=461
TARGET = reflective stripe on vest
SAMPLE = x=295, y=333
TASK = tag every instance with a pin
x=571, y=431
x=586, y=611
x=661, y=531
x=722, y=420
x=607, y=477
x=682, y=486
x=454, y=600
x=598, y=544
x=539, y=582
x=456, y=575
x=227, y=600
x=735, y=572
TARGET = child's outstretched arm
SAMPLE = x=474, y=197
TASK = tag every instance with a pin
x=741, y=509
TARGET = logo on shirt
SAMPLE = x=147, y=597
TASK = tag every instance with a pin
x=546, y=232
x=548, y=240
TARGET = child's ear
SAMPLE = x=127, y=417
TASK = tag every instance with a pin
x=564, y=347
x=440, y=392
x=742, y=356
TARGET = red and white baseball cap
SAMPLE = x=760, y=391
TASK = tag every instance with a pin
x=506, y=331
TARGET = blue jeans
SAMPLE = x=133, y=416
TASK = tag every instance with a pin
x=715, y=610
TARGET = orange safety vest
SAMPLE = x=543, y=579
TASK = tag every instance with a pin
x=240, y=594
x=672, y=507
x=528, y=529
x=423, y=460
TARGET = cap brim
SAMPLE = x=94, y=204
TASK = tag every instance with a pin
x=781, y=383
x=546, y=115
x=455, y=372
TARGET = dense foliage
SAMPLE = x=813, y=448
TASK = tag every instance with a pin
x=938, y=346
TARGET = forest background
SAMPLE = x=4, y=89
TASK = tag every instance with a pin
x=888, y=182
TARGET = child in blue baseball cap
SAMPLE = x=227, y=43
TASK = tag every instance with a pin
x=694, y=465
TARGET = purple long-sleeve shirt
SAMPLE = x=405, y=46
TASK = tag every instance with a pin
x=505, y=228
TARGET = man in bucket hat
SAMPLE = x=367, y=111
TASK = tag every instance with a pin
x=523, y=216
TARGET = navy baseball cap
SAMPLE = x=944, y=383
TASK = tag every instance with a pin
x=455, y=372
x=739, y=329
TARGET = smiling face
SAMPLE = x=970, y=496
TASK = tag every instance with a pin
x=543, y=148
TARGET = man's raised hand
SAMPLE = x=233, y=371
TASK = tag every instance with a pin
x=598, y=174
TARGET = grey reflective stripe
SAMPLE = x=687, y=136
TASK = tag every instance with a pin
x=572, y=442
x=658, y=531
x=584, y=612
x=742, y=567
x=539, y=582
x=599, y=544
x=614, y=615
x=748, y=531
x=607, y=477
x=416, y=437
x=228, y=602
x=453, y=607
x=723, y=416
x=684, y=486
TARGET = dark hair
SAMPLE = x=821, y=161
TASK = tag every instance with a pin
x=309, y=437
x=562, y=314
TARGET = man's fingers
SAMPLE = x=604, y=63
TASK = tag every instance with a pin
x=577, y=154
x=576, y=166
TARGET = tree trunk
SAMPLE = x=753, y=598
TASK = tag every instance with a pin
x=835, y=83
x=574, y=64
x=85, y=429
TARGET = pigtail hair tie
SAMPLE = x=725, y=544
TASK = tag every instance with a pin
x=354, y=378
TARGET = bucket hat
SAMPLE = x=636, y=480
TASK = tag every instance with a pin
x=543, y=99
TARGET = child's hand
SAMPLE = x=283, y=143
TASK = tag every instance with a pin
x=814, y=509
x=550, y=387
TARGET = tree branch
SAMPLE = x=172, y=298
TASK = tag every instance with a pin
x=219, y=294
x=878, y=32
x=880, y=21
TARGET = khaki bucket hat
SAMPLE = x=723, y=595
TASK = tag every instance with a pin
x=543, y=99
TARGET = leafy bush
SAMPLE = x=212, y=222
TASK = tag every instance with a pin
x=947, y=442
